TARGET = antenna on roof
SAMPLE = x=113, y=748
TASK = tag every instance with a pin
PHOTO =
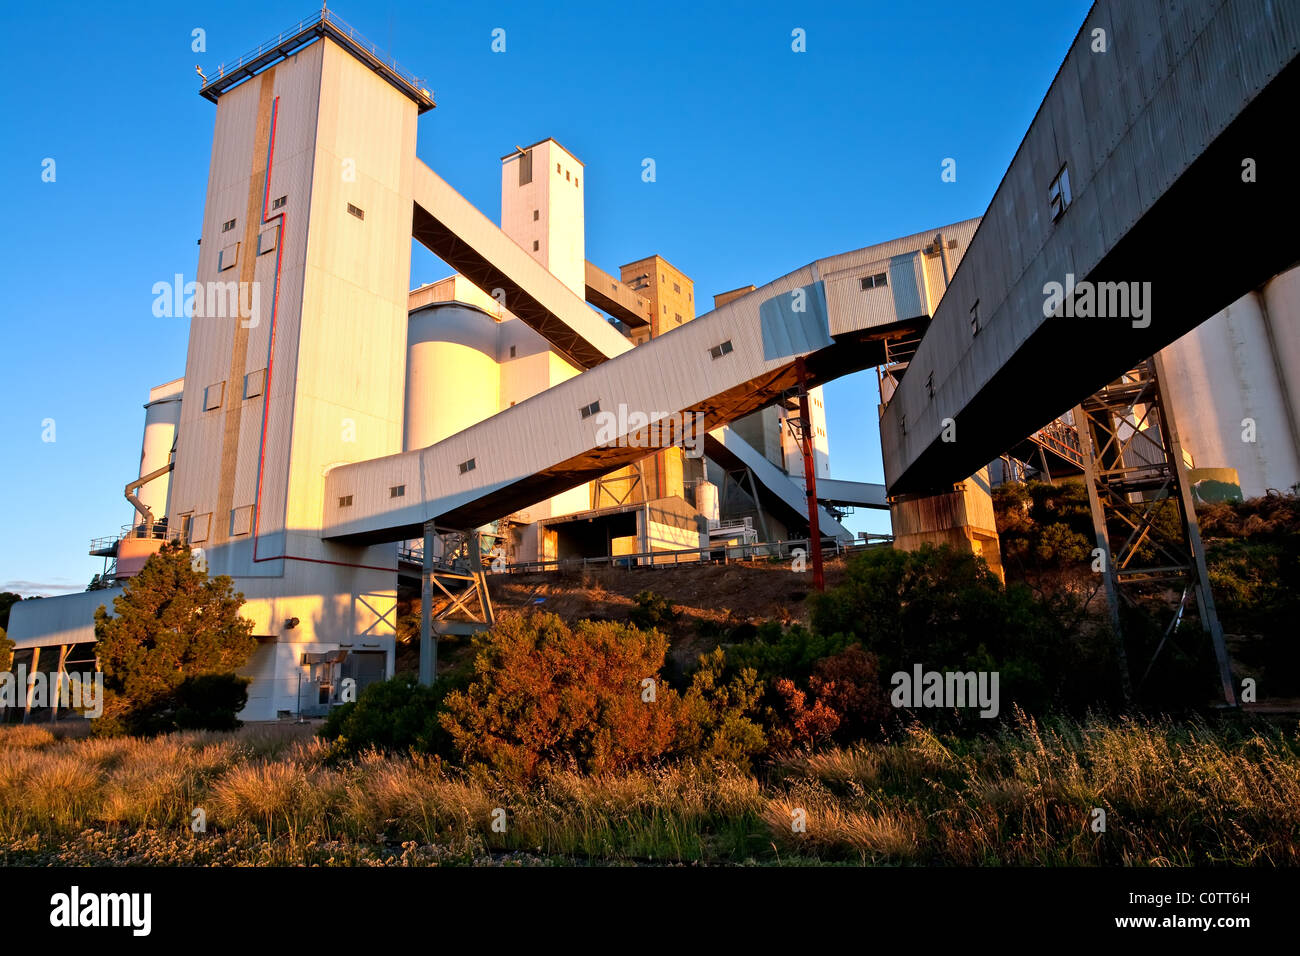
x=199, y=70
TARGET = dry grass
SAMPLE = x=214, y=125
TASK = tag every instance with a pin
x=1174, y=794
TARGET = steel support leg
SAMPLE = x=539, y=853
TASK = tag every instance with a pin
x=810, y=476
x=428, y=640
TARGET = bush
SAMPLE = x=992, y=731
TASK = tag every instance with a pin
x=945, y=610
x=211, y=702
x=1043, y=526
x=793, y=652
x=811, y=687
x=202, y=702
x=652, y=610
x=397, y=716
x=547, y=695
x=721, y=715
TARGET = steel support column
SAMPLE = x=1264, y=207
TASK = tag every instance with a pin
x=1134, y=471
x=453, y=564
x=428, y=642
x=810, y=476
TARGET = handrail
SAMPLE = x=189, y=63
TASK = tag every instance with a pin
x=323, y=17
x=771, y=550
x=157, y=531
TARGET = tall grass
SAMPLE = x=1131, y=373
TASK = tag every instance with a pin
x=1174, y=793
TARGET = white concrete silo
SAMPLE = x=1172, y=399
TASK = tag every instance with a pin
x=162, y=415
x=453, y=379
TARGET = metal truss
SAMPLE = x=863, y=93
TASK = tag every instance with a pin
x=453, y=564
x=1142, y=509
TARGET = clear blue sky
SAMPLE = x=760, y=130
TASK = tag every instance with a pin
x=766, y=160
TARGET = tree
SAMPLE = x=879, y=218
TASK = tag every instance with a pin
x=6, y=651
x=548, y=695
x=7, y=600
x=171, y=625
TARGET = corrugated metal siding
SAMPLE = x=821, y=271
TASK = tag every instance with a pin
x=674, y=371
x=1128, y=123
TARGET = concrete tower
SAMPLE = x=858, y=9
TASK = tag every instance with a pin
x=542, y=209
x=308, y=211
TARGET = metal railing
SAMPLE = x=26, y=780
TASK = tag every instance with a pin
x=158, y=531
x=770, y=552
x=321, y=18
x=1061, y=438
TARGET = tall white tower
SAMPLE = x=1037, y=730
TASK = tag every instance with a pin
x=542, y=209
x=307, y=225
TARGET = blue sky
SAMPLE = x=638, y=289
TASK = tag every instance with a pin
x=766, y=159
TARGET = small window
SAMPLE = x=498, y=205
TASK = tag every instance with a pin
x=665, y=310
x=586, y=411
x=536, y=245
x=678, y=316
x=212, y=396
x=513, y=349
x=975, y=318
x=467, y=466
x=575, y=181
x=228, y=257
x=874, y=281
x=1058, y=194
x=266, y=240
x=241, y=520
x=199, y=526
x=356, y=211
x=566, y=174
x=557, y=167
x=720, y=350
x=228, y=225
x=677, y=288
x=537, y=214
x=526, y=168
x=345, y=501
x=254, y=383
x=279, y=202
x=397, y=491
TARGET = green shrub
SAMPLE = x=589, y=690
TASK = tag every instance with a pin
x=722, y=713
x=652, y=610
x=397, y=716
x=793, y=651
x=945, y=610
x=211, y=701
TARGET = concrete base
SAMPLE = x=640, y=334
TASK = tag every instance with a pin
x=962, y=518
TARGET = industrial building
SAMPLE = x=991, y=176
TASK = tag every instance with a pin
x=351, y=430
x=345, y=363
